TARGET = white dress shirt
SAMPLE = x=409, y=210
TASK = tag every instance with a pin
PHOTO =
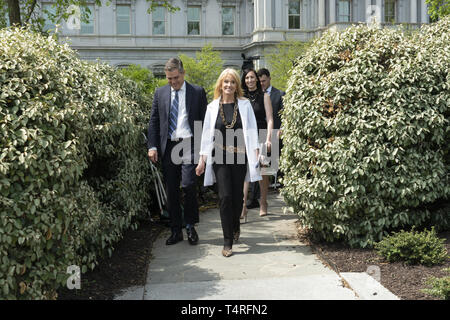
x=183, y=130
x=269, y=90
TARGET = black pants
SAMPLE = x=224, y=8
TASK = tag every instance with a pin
x=230, y=184
x=174, y=175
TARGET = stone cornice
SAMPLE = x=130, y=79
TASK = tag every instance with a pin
x=195, y=2
x=229, y=2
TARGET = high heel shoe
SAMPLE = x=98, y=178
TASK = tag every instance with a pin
x=244, y=214
x=263, y=209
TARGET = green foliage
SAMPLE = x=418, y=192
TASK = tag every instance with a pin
x=73, y=169
x=438, y=8
x=366, y=131
x=440, y=287
x=281, y=60
x=413, y=248
x=143, y=78
x=204, y=69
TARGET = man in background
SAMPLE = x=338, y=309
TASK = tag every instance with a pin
x=276, y=97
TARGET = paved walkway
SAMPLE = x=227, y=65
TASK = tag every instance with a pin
x=268, y=263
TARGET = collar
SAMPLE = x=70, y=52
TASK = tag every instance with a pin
x=182, y=89
x=269, y=89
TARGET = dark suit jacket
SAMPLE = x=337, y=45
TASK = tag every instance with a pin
x=158, y=128
x=277, y=104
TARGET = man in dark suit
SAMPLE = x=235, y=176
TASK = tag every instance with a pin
x=176, y=106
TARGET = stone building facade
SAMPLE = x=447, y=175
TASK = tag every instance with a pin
x=123, y=32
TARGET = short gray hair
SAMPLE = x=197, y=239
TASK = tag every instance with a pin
x=174, y=64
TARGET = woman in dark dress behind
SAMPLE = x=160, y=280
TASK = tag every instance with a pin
x=262, y=108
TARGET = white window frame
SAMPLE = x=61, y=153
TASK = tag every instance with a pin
x=233, y=9
x=350, y=11
x=129, y=20
x=164, y=21
x=295, y=15
x=385, y=11
x=92, y=18
x=199, y=7
x=50, y=25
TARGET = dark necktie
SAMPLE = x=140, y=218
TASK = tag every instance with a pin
x=173, y=116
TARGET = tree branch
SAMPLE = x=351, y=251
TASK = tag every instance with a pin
x=30, y=11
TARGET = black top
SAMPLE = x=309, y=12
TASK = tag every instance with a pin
x=257, y=100
x=228, y=109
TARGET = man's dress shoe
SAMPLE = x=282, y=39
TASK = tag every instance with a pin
x=174, y=238
x=192, y=235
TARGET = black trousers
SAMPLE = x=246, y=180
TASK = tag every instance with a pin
x=230, y=184
x=175, y=174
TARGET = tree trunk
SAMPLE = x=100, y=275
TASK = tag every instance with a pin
x=14, y=12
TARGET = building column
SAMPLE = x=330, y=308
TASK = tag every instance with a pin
x=332, y=11
x=321, y=13
x=413, y=13
x=267, y=14
x=369, y=11
x=424, y=11
x=255, y=15
x=260, y=12
x=380, y=8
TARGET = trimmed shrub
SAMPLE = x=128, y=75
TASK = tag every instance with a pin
x=366, y=131
x=440, y=287
x=413, y=248
x=73, y=167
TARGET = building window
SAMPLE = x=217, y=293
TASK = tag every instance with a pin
x=389, y=11
x=123, y=19
x=193, y=20
x=48, y=11
x=159, y=21
x=344, y=10
x=294, y=14
x=87, y=27
x=227, y=21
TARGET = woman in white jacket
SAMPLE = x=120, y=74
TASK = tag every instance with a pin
x=229, y=151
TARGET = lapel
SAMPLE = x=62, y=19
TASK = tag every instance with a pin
x=166, y=102
x=188, y=99
x=243, y=113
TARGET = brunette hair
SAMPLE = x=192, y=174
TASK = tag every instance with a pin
x=244, y=85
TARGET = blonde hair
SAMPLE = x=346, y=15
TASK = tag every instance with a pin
x=228, y=72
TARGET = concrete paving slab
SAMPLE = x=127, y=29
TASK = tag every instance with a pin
x=366, y=287
x=315, y=287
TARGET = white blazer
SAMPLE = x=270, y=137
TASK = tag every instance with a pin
x=250, y=130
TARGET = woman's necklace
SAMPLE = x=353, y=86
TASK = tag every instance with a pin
x=252, y=95
x=222, y=115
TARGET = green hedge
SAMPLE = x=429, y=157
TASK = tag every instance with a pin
x=73, y=168
x=366, y=131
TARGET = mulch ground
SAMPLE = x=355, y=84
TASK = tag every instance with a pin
x=127, y=266
x=405, y=281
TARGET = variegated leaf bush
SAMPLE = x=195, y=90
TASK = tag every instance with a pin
x=366, y=133
x=73, y=169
